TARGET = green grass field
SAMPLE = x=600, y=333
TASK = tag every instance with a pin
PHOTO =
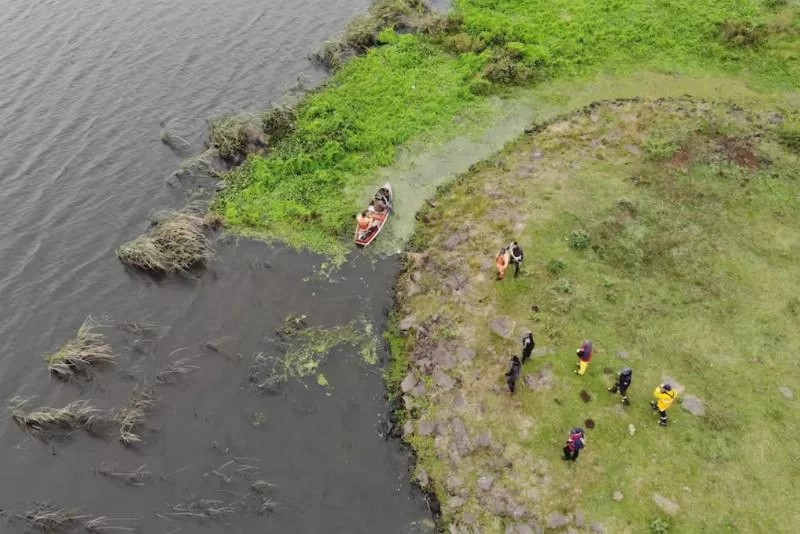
x=414, y=87
x=668, y=233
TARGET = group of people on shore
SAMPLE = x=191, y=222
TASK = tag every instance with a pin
x=664, y=394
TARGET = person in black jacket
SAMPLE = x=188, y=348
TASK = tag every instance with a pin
x=576, y=442
x=513, y=374
x=622, y=384
x=516, y=256
x=528, y=344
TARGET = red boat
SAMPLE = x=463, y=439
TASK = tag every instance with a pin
x=379, y=218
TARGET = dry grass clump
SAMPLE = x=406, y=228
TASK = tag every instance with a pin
x=173, y=371
x=362, y=33
x=48, y=422
x=45, y=517
x=135, y=477
x=87, y=349
x=176, y=243
x=131, y=417
x=202, y=509
x=236, y=136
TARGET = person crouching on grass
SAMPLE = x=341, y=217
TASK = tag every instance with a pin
x=576, y=442
x=501, y=261
x=584, y=354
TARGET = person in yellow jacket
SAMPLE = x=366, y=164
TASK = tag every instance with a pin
x=665, y=396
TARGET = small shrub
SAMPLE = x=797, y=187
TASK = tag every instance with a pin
x=505, y=70
x=562, y=285
x=461, y=43
x=659, y=526
x=579, y=239
x=480, y=87
x=742, y=33
x=660, y=146
x=626, y=204
x=555, y=267
x=278, y=122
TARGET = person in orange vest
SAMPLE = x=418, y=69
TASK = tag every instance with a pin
x=665, y=396
x=364, y=221
x=584, y=354
x=501, y=261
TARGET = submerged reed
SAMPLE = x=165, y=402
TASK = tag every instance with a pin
x=88, y=348
x=48, y=422
x=131, y=417
x=47, y=518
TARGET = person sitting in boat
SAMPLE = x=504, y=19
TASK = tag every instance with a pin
x=365, y=222
x=376, y=205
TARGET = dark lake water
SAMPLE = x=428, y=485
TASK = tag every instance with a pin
x=84, y=89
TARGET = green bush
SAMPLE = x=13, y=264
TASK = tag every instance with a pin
x=742, y=33
x=659, y=526
x=556, y=267
x=278, y=122
x=480, y=87
x=579, y=239
x=562, y=285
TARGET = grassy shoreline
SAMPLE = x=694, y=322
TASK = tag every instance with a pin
x=688, y=275
x=420, y=85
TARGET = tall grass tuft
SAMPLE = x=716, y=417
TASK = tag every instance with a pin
x=87, y=349
x=46, y=422
x=176, y=243
x=47, y=518
x=131, y=417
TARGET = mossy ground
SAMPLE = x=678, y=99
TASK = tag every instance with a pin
x=691, y=211
x=421, y=86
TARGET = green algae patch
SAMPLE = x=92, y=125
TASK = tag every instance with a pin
x=322, y=380
x=665, y=231
x=304, y=349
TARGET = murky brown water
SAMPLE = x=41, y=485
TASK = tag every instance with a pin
x=85, y=86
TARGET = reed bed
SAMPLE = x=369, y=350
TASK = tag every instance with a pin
x=236, y=135
x=47, y=518
x=87, y=349
x=174, y=370
x=176, y=243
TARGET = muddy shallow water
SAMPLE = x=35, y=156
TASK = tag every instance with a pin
x=85, y=86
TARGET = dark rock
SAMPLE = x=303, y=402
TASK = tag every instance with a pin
x=455, y=240
x=557, y=521
x=502, y=326
x=693, y=405
x=668, y=506
x=485, y=483
x=425, y=427
x=418, y=390
x=484, y=440
x=461, y=437
x=443, y=358
x=408, y=428
x=409, y=382
x=443, y=380
x=786, y=392
x=407, y=323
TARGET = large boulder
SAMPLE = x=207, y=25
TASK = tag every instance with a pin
x=443, y=380
x=461, y=438
x=668, y=506
x=502, y=326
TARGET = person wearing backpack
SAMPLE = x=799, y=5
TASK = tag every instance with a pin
x=665, y=396
x=528, y=344
x=622, y=384
x=584, y=354
x=576, y=442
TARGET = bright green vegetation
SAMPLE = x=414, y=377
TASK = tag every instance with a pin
x=666, y=232
x=408, y=87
